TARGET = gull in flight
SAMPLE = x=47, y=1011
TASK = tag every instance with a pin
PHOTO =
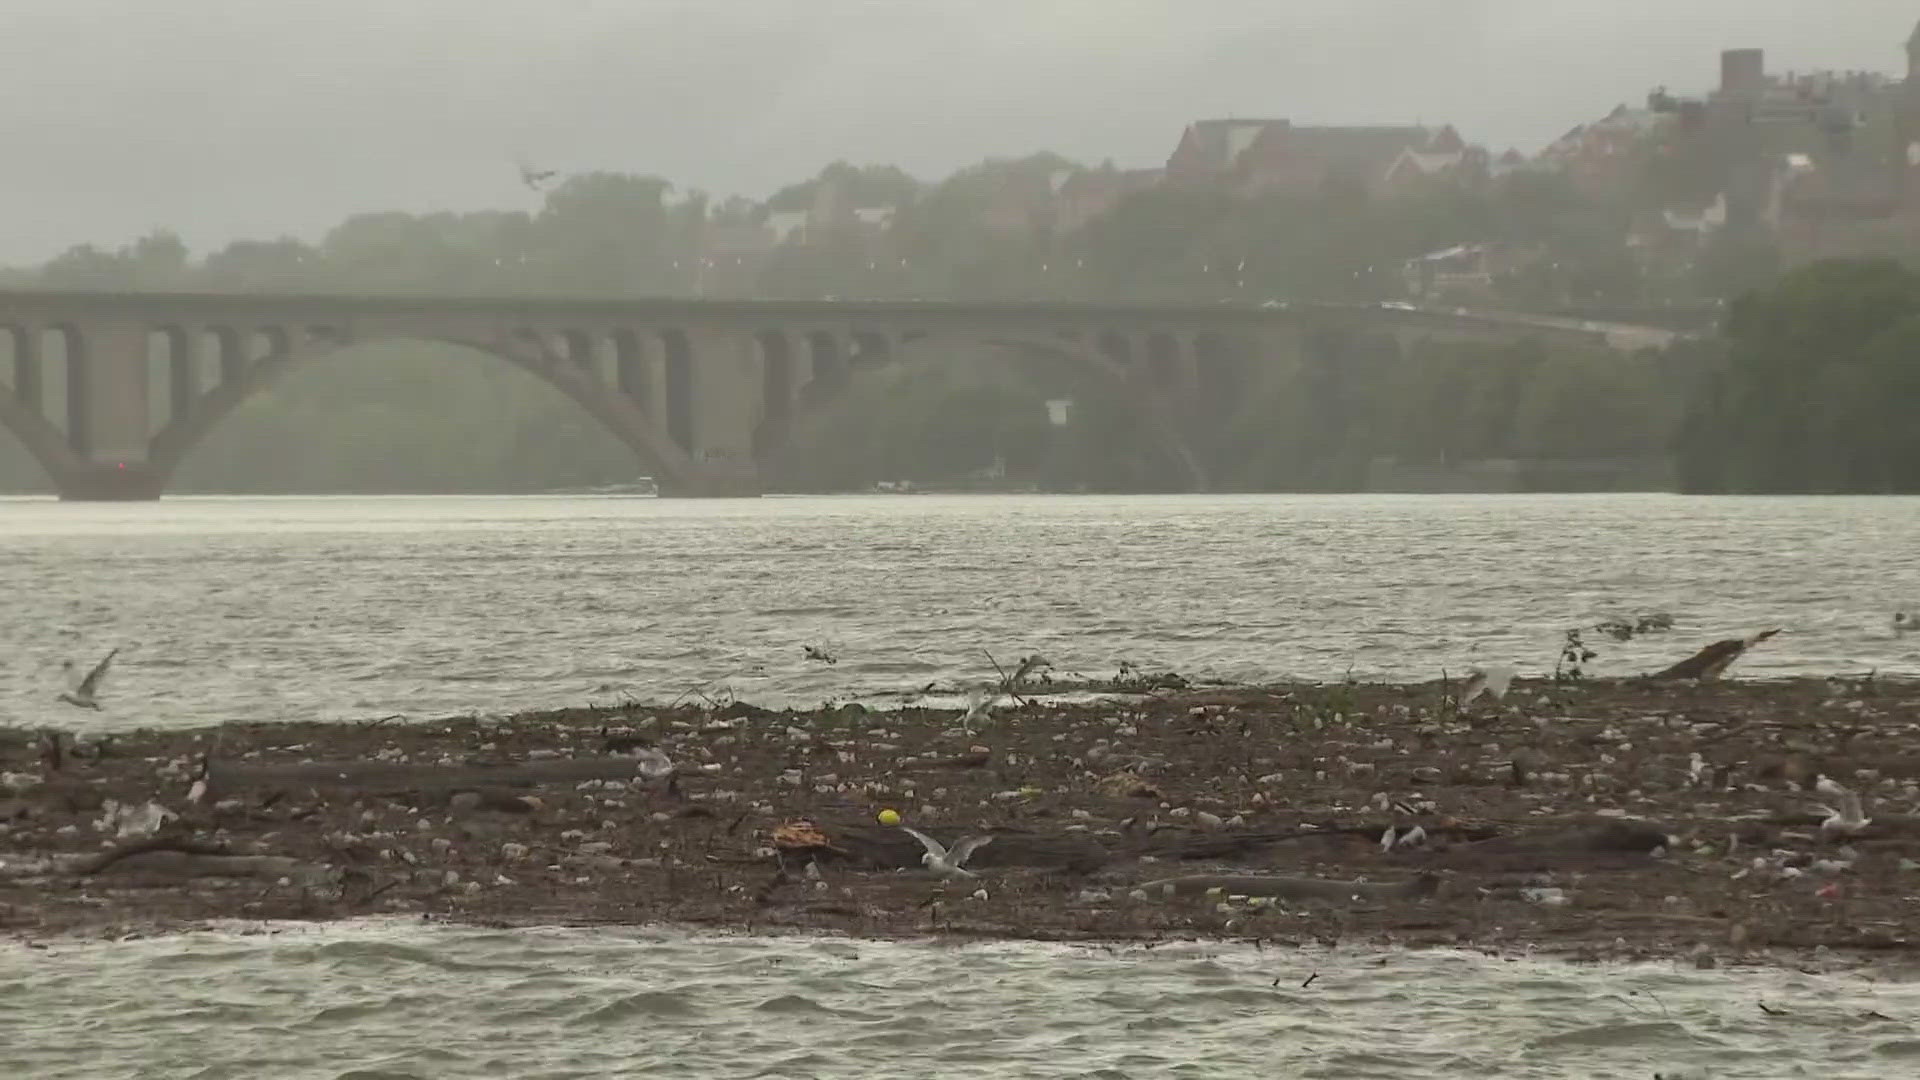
x=1491, y=680
x=948, y=863
x=1850, y=818
x=535, y=179
x=1905, y=622
x=83, y=693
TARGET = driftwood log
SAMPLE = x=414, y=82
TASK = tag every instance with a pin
x=390, y=777
x=1713, y=660
x=1606, y=845
x=1250, y=845
x=175, y=859
x=1291, y=888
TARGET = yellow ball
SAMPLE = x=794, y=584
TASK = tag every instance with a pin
x=889, y=817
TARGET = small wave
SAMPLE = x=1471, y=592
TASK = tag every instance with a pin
x=1650, y=1033
x=644, y=1003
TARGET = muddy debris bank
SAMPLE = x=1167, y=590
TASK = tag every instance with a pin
x=1632, y=818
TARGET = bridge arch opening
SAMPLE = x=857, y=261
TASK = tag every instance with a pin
x=1217, y=374
x=172, y=374
x=64, y=349
x=870, y=347
x=21, y=387
x=577, y=346
x=776, y=390
x=20, y=364
x=829, y=362
x=397, y=415
x=1115, y=347
x=1163, y=360
x=679, y=379
x=271, y=345
x=223, y=350
x=630, y=374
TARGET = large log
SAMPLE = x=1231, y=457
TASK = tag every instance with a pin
x=1291, y=888
x=393, y=777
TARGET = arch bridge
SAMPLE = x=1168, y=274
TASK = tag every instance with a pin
x=703, y=391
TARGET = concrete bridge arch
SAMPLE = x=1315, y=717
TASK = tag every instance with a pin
x=703, y=391
x=637, y=384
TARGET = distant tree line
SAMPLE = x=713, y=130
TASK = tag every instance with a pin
x=1819, y=388
x=1804, y=398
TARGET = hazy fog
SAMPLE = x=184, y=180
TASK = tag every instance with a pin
x=225, y=118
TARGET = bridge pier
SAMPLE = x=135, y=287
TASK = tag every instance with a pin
x=108, y=417
x=715, y=483
x=110, y=483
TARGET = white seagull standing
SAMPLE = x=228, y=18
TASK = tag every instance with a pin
x=948, y=863
x=654, y=765
x=1850, y=818
x=83, y=693
x=1491, y=680
x=980, y=701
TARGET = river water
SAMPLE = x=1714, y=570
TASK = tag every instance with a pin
x=345, y=608
x=303, y=608
x=402, y=1000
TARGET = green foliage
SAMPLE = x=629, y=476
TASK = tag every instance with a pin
x=1817, y=390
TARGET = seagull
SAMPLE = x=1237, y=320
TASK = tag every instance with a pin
x=1696, y=769
x=1388, y=839
x=815, y=652
x=534, y=178
x=1491, y=680
x=1028, y=665
x=947, y=863
x=653, y=764
x=1850, y=818
x=980, y=701
x=83, y=692
x=1905, y=622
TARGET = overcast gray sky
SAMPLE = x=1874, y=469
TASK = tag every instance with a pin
x=230, y=118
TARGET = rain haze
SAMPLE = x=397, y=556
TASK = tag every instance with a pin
x=605, y=537
x=272, y=117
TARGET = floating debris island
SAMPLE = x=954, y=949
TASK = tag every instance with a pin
x=1613, y=818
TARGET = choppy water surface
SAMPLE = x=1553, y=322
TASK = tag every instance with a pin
x=330, y=608
x=412, y=1001
x=349, y=607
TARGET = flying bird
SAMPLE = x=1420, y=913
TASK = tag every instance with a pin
x=534, y=178
x=1711, y=662
x=948, y=863
x=820, y=655
x=1905, y=622
x=84, y=693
